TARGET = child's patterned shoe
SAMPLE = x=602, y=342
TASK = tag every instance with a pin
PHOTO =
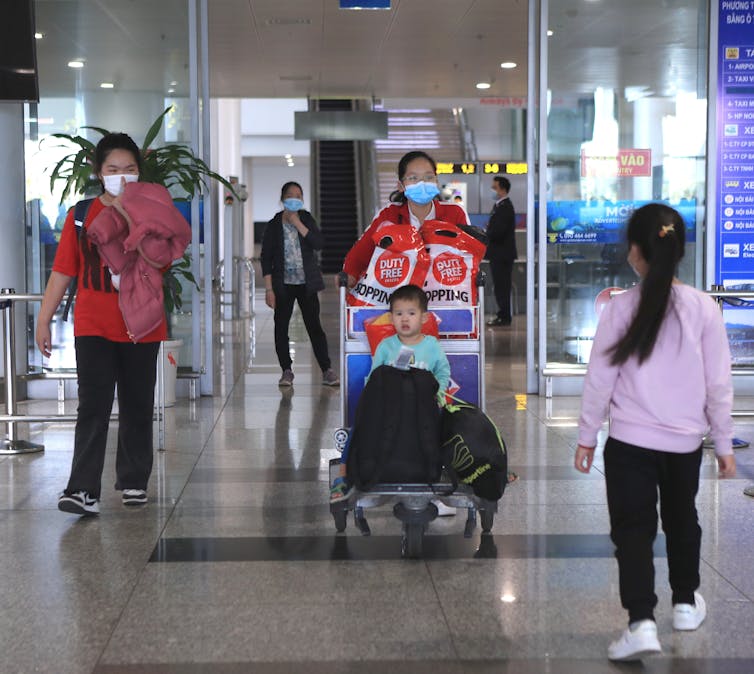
x=340, y=490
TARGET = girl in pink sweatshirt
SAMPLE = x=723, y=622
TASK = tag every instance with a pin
x=660, y=367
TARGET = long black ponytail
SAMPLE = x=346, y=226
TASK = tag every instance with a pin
x=660, y=234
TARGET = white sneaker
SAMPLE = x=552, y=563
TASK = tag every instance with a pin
x=688, y=617
x=444, y=510
x=635, y=643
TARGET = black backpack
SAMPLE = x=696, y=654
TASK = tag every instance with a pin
x=473, y=452
x=395, y=434
x=80, y=211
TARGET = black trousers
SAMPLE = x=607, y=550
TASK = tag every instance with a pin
x=309, y=305
x=101, y=364
x=502, y=273
x=633, y=476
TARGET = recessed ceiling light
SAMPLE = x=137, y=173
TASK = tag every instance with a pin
x=483, y=85
x=550, y=33
x=75, y=64
x=106, y=85
x=174, y=83
x=171, y=91
x=506, y=65
x=288, y=156
x=38, y=36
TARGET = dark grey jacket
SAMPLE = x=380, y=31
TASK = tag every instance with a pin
x=272, y=252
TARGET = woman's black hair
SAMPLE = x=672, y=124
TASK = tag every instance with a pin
x=115, y=141
x=398, y=196
x=288, y=185
x=660, y=234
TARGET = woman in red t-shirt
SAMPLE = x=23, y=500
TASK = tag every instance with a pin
x=412, y=203
x=105, y=355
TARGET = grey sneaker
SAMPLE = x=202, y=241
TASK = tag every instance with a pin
x=286, y=379
x=78, y=503
x=134, y=497
x=329, y=378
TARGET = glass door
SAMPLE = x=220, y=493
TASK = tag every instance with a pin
x=625, y=123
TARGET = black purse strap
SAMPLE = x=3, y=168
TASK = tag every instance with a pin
x=80, y=211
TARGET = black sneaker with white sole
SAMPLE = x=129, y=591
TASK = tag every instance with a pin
x=78, y=503
x=134, y=497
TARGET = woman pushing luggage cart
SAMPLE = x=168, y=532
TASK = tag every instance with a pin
x=400, y=435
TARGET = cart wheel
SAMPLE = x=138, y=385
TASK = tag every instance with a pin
x=341, y=439
x=488, y=518
x=413, y=534
x=341, y=519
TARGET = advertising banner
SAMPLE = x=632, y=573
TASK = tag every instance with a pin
x=603, y=221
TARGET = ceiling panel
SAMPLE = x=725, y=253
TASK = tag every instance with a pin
x=420, y=48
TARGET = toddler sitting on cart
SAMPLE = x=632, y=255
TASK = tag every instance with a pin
x=408, y=348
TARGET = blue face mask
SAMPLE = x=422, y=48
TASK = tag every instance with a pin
x=293, y=204
x=421, y=193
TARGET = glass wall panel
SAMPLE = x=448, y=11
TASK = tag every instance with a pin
x=106, y=64
x=626, y=125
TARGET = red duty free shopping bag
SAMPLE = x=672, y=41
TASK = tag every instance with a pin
x=399, y=259
x=454, y=258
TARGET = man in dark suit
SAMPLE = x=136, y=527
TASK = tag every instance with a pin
x=501, y=248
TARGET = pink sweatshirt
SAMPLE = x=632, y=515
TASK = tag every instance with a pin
x=681, y=390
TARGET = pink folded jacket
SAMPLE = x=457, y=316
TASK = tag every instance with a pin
x=163, y=233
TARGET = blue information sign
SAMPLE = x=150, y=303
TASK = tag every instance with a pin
x=734, y=254
x=735, y=135
x=365, y=4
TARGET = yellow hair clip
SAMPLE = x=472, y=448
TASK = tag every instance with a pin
x=665, y=229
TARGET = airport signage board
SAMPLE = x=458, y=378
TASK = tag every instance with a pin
x=735, y=141
x=625, y=164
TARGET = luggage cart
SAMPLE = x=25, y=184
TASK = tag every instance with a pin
x=462, y=338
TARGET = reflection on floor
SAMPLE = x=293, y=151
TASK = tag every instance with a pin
x=234, y=566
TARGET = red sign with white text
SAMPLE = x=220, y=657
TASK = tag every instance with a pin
x=627, y=163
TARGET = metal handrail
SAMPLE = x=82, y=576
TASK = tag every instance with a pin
x=11, y=443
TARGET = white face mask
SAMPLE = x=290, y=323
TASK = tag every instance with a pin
x=113, y=182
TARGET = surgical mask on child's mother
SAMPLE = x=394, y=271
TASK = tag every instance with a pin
x=421, y=193
x=113, y=184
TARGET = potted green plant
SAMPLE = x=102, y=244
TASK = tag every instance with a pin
x=173, y=165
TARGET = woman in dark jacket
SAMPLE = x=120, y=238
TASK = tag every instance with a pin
x=291, y=274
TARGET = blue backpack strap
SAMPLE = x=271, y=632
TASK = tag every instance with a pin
x=80, y=211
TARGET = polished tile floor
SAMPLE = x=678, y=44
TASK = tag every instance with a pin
x=235, y=566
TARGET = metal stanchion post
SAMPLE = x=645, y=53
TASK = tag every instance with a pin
x=252, y=286
x=161, y=397
x=11, y=444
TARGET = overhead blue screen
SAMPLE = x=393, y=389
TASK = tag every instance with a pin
x=365, y=4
